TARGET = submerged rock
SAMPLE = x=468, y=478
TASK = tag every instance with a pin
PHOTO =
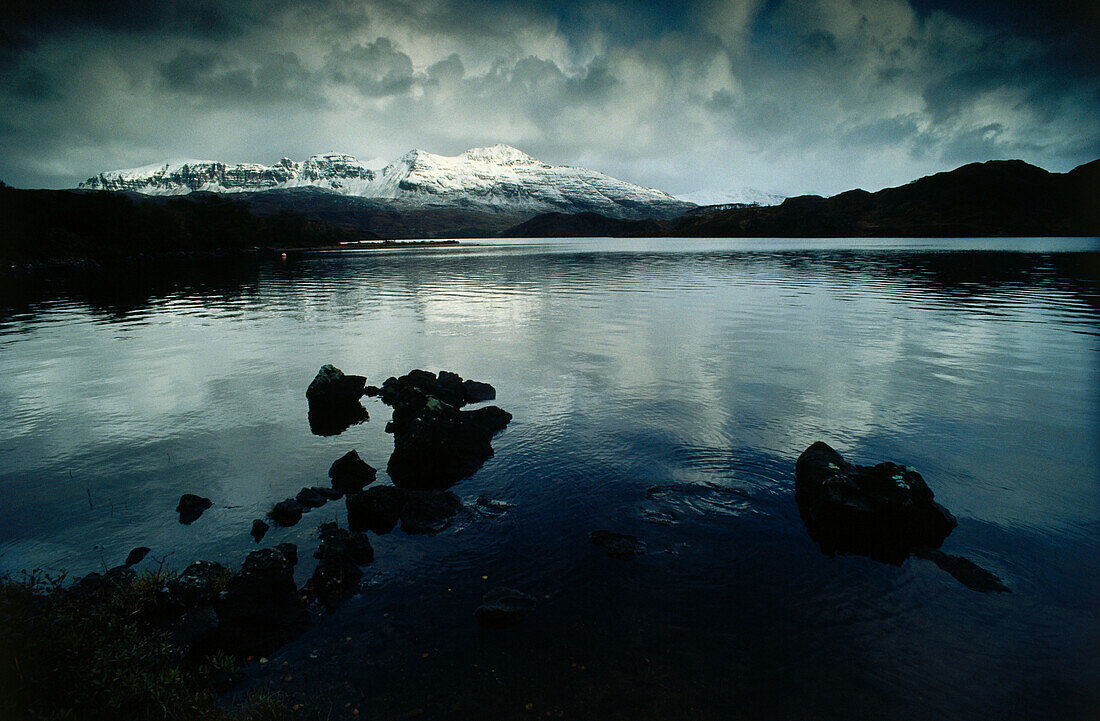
x=350, y=473
x=191, y=507
x=286, y=513
x=618, y=545
x=379, y=509
x=334, y=401
x=882, y=511
x=964, y=571
x=503, y=607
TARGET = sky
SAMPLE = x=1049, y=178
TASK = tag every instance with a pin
x=786, y=96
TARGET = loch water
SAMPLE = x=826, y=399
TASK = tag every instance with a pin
x=662, y=388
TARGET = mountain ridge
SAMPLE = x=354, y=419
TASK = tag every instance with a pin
x=497, y=176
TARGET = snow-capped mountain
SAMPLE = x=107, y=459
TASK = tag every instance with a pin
x=740, y=196
x=498, y=177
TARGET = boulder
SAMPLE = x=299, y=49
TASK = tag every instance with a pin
x=883, y=511
x=260, y=608
x=618, y=545
x=135, y=556
x=286, y=513
x=379, y=509
x=191, y=507
x=310, y=498
x=332, y=387
x=475, y=392
x=436, y=445
x=350, y=473
x=259, y=529
x=503, y=607
x=376, y=509
x=334, y=401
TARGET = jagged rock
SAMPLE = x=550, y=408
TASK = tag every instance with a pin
x=259, y=529
x=476, y=392
x=286, y=513
x=191, y=507
x=260, y=608
x=135, y=556
x=618, y=545
x=379, y=509
x=195, y=585
x=503, y=607
x=882, y=511
x=334, y=401
x=376, y=509
x=964, y=571
x=310, y=498
x=350, y=473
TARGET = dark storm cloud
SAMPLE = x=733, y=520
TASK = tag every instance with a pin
x=789, y=95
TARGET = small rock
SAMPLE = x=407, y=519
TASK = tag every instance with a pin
x=331, y=494
x=428, y=511
x=618, y=545
x=354, y=544
x=135, y=556
x=350, y=473
x=964, y=571
x=310, y=498
x=259, y=529
x=503, y=608
x=191, y=507
x=286, y=513
x=475, y=392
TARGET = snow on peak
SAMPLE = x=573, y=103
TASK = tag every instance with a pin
x=499, y=176
x=499, y=153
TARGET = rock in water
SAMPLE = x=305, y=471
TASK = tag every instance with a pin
x=503, y=608
x=310, y=498
x=334, y=401
x=349, y=473
x=964, y=571
x=340, y=554
x=135, y=556
x=191, y=507
x=259, y=529
x=435, y=443
x=286, y=513
x=379, y=509
x=376, y=509
x=618, y=545
x=196, y=585
x=882, y=511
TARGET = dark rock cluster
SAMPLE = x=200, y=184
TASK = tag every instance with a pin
x=379, y=509
x=435, y=442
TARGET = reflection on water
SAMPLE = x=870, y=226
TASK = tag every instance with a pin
x=660, y=388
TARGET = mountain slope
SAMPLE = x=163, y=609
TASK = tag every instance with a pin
x=497, y=178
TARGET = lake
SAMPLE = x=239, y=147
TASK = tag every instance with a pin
x=661, y=388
